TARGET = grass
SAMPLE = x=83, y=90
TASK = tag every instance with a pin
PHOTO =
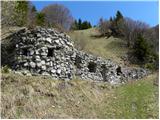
x=40, y=97
x=110, y=48
x=43, y=97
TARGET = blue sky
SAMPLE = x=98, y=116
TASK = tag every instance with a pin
x=93, y=10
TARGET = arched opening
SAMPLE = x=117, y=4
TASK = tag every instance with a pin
x=118, y=70
x=92, y=67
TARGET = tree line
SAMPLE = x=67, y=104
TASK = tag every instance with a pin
x=140, y=38
x=24, y=13
x=81, y=25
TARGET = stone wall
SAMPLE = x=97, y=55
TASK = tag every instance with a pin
x=97, y=68
x=48, y=52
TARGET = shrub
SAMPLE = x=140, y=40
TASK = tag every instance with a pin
x=145, y=53
x=141, y=49
x=5, y=69
x=104, y=26
x=40, y=19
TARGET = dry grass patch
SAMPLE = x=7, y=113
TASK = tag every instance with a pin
x=42, y=97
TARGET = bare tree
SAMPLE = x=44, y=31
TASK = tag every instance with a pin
x=31, y=16
x=152, y=35
x=131, y=29
x=104, y=26
x=58, y=15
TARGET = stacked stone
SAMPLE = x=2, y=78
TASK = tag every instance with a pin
x=33, y=55
x=104, y=70
x=48, y=52
x=134, y=73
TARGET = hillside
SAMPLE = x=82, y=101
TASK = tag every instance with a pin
x=43, y=97
x=109, y=48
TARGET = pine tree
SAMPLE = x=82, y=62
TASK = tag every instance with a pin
x=119, y=16
x=141, y=49
x=79, y=24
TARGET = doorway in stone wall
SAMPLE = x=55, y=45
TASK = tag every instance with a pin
x=92, y=67
x=50, y=52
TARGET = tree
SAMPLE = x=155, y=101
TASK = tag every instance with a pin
x=89, y=25
x=40, y=19
x=141, y=49
x=21, y=12
x=57, y=15
x=74, y=25
x=7, y=13
x=14, y=13
x=31, y=18
x=119, y=16
x=116, y=23
x=85, y=25
x=79, y=24
x=131, y=29
x=104, y=26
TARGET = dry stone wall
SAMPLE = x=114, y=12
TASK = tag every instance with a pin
x=48, y=52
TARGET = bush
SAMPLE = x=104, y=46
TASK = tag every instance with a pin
x=104, y=26
x=5, y=69
x=40, y=19
x=145, y=53
x=141, y=49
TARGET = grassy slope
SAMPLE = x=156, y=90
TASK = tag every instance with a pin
x=111, y=48
x=39, y=97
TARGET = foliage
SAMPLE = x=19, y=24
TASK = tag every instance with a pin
x=104, y=26
x=131, y=29
x=142, y=49
x=21, y=13
x=7, y=13
x=17, y=13
x=5, y=69
x=85, y=25
x=81, y=25
x=145, y=54
x=112, y=26
x=40, y=19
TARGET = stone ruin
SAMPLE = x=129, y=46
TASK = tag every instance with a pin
x=51, y=53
